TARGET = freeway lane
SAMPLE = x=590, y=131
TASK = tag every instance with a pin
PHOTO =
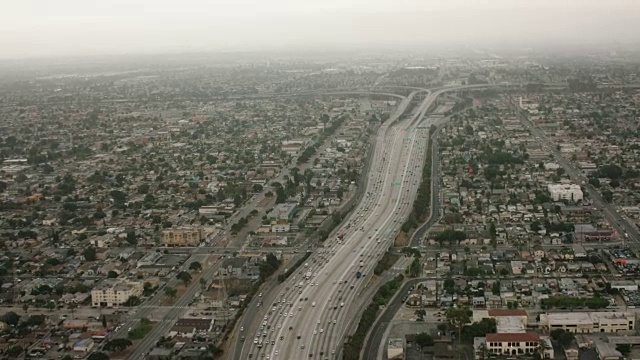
x=398, y=158
x=292, y=298
x=242, y=350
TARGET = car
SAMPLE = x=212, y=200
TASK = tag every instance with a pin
x=321, y=330
x=315, y=332
x=334, y=321
x=298, y=337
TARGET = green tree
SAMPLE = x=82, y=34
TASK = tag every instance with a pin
x=117, y=344
x=424, y=339
x=170, y=292
x=112, y=274
x=564, y=338
x=184, y=276
x=458, y=318
x=89, y=253
x=195, y=266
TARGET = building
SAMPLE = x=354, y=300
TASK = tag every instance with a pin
x=284, y=211
x=182, y=237
x=571, y=192
x=114, y=292
x=83, y=345
x=589, y=322
x=395, y=348
x=513, y=344
x=189, y=327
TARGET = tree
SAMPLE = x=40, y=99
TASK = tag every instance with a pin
x=15, y=351
x=483, y=352
x=195, y=266
x=424, y=339
x=98, y=356
x=541, y=349
x=495, y=288
x=132, y=238
x=421, y=313
x=89, y=253
x=72, y=307
x=117, y=344
x=25, y=307
x=184, y=276
x=132, y=301
x=11, y=318
x=170, y=292
x=458, y=318
x=112, y=274
x=564, y=338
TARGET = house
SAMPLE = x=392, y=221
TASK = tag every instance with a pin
x=538, y=252
x=233, y=266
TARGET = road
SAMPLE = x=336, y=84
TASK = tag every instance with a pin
x=578, y=177
x=306, y=307
x=376, y=334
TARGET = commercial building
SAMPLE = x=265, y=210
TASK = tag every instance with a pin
x=511, y=337
x=182, y=237
x=283, y=212
x=571, y=192
x=114, y=292
x=513, y=344
x=589, y=322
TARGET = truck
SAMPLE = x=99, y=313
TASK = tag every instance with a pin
x=307, y=275
x=358, y=275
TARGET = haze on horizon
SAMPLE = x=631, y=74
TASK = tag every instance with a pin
x=41, y=28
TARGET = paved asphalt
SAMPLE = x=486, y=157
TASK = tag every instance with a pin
x=369, y=230
x=376, y=334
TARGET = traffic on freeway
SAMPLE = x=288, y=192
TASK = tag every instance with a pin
x=308, y=317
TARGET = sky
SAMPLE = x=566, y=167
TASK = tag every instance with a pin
x=42, y=28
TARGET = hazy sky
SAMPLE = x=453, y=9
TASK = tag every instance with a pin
x=92, y=27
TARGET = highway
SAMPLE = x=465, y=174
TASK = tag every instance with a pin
x=309, y=316
x=577, y=176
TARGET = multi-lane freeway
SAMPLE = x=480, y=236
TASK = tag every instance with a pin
x=308, y=317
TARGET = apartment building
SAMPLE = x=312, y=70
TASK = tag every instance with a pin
x=571, y=192
x=114, y=292
x=589, y=322
x=182, y=237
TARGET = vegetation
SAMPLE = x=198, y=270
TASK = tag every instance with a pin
x=354, y=343
x=268, y=267
x=132, y=301
x=458, y=318
x=196, y=266
x=141, y=330
x=98, y=356
x=170, y=292
x=117, y=344
x=385, y=263
x=573, y=302
x=564, y=338
x=185, y=277
x=422, y=202
x=414, y=268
